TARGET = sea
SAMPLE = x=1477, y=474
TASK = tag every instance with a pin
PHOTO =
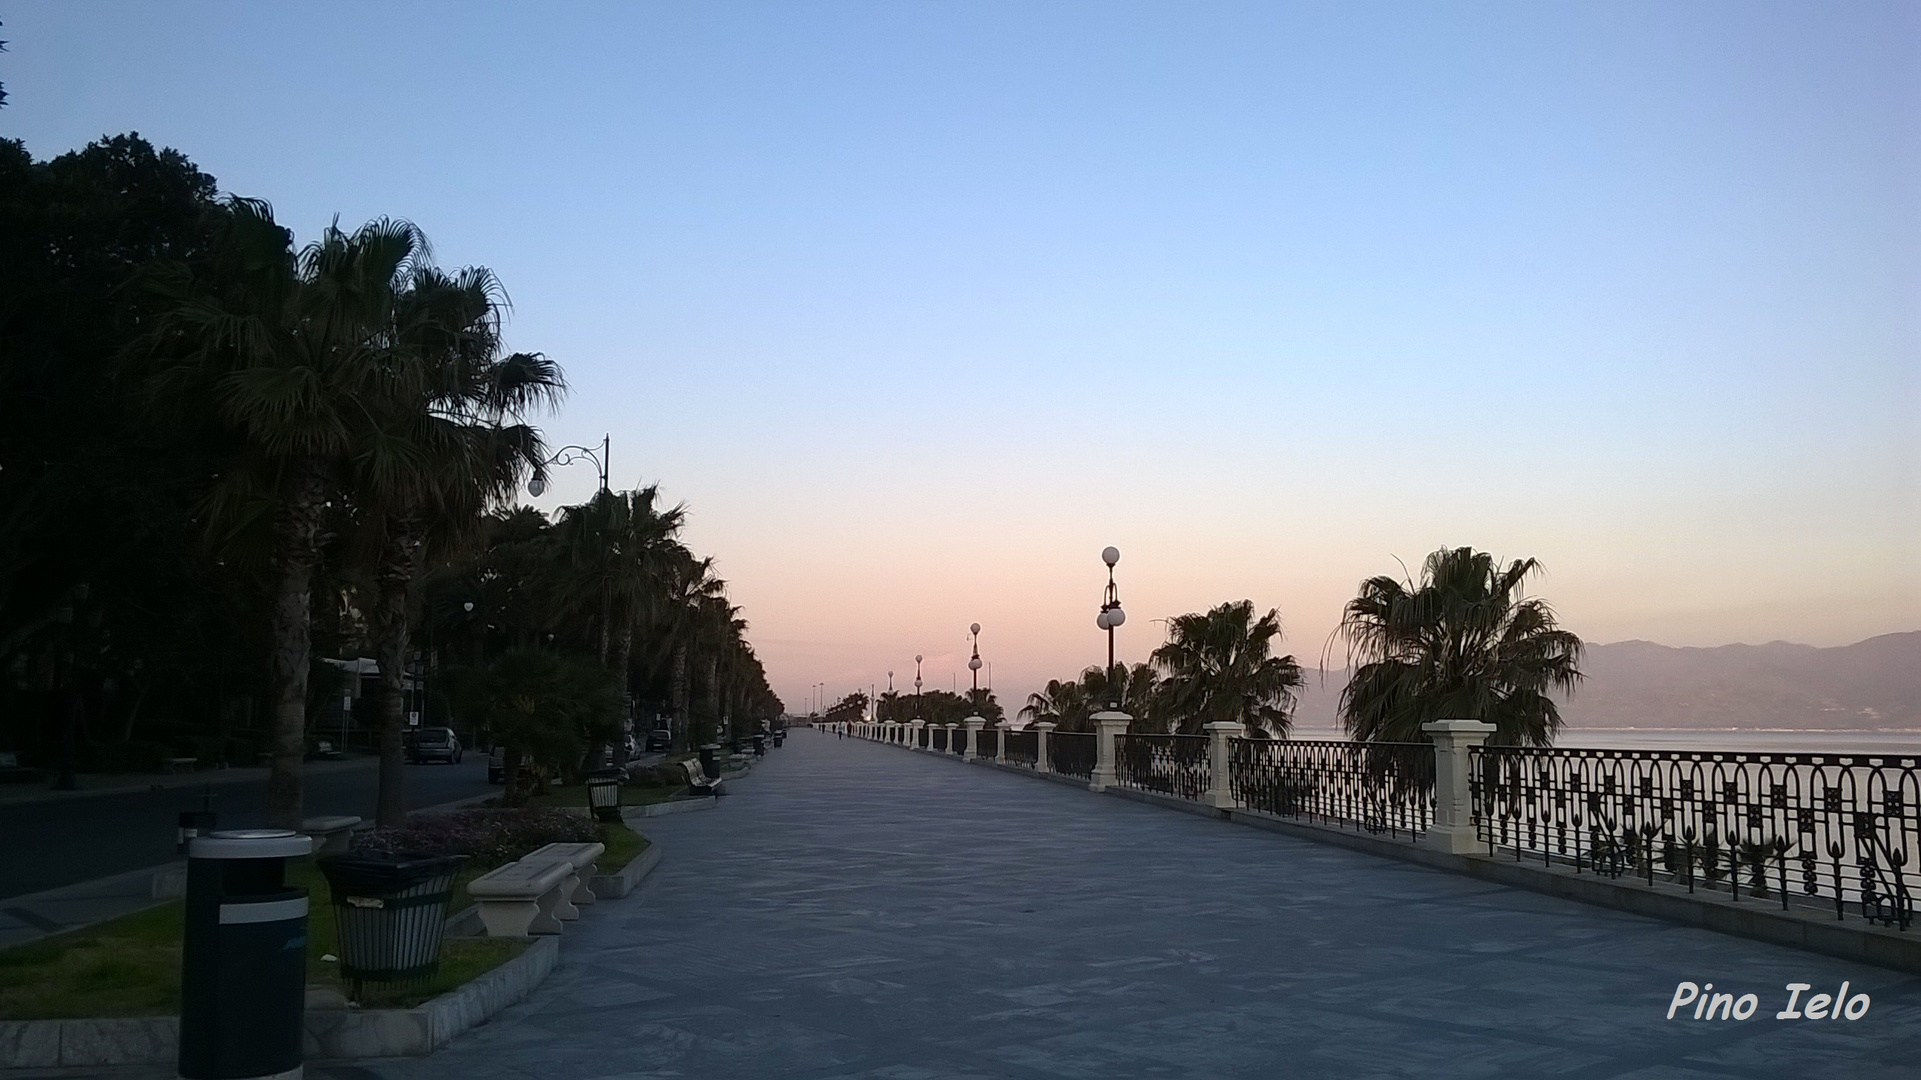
x=1753, y=740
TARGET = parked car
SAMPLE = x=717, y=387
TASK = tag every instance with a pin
x=497, y=764
x=436, y=744
x=659, y=741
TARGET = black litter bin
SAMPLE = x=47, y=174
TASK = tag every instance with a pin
x=243, y=963
x=710, y=760
x=390, y=914
x=760, y=745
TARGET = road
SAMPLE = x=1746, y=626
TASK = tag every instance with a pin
x=44, y=845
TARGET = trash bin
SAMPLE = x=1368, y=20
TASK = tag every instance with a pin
x=390, y=914
x=760, y=744
x=243, y=963
x=710, y=760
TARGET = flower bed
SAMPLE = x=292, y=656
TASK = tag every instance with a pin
x=488, y=838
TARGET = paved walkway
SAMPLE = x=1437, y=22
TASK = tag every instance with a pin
x=857, y=910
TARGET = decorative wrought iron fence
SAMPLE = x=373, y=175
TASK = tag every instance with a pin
x=940, y=739
x=1379, y=787
x=1023, y=748
x=1834, y=830
x=924, y=737
x=1170, y=764
x=987, y=743
x=1072, y=753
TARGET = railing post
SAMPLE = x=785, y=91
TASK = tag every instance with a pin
x=971, y=744
x=953, y=746
x=1453, y=829
x=1041, y=728
x=1220, y=762
x=1000, y=745
x=1107, y=725
x=913, y=733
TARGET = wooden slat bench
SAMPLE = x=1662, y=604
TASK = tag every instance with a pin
x=522, y=898
x=582, y=858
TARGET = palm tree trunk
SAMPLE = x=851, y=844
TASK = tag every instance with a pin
x=623, y=653
x=680, y=692
x=297, y=540
x=399, y=560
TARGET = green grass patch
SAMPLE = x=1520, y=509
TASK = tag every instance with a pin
x=129, y=966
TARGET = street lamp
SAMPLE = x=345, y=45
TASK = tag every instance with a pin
x=917, y=660
x=567, y=455
x=974, y=663
x=1110, y=617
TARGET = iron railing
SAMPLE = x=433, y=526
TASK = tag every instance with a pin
x=1072, y=753
x=924, y=737
x=1836, y=830
x=1379, y=787
x=1174, y=765
x=987, y=743
x=940, y=739
x=1023, y=748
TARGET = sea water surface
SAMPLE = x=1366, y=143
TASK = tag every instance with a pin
x=1774, y=741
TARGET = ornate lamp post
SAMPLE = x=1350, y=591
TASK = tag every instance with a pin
x=1110, y=617
x=974, y=663
x=567, y=455
x=917, y=685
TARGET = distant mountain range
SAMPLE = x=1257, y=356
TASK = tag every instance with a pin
x=1872, y=684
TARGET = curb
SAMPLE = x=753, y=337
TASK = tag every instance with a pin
x=676, y=806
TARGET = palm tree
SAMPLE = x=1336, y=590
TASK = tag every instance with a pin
x=1064, y=704
x=686, y=584
x=451, y=446
x=269, y=351
x=1220, y=667
x=1137, y=688
x=1463, y=644
x=616, y=557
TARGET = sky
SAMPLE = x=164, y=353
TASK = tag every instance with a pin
x=917, y=306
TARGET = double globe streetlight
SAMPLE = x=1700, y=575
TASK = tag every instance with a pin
x=1111, y=616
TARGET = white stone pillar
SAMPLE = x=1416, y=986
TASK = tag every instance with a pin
x=953, y=744
x=913, y=733
x=1220, y=763
x=1106, y=726
x=1000, y=744
x=971, y=742
x=1453, y=828
x=1040, y=744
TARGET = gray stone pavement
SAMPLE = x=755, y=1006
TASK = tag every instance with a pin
x=857, y=910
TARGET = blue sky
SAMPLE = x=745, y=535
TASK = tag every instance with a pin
x=920, y=304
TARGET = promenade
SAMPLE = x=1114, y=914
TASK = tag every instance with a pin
x=859, y=910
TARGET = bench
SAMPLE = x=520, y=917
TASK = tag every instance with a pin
x=181, y=764
x=697, y=781
x=581, y=857
x=331, y=833
x=524, y=898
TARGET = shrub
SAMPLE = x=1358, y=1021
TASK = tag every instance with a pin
x=487, y=837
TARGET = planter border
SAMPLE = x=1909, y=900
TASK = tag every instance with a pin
x=618, y=884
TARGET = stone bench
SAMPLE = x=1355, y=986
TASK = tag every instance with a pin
x=697, y=780
x=332, y=833
x=525, y=897
x=582, y=858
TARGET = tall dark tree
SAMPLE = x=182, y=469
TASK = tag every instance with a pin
x=273, y=351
